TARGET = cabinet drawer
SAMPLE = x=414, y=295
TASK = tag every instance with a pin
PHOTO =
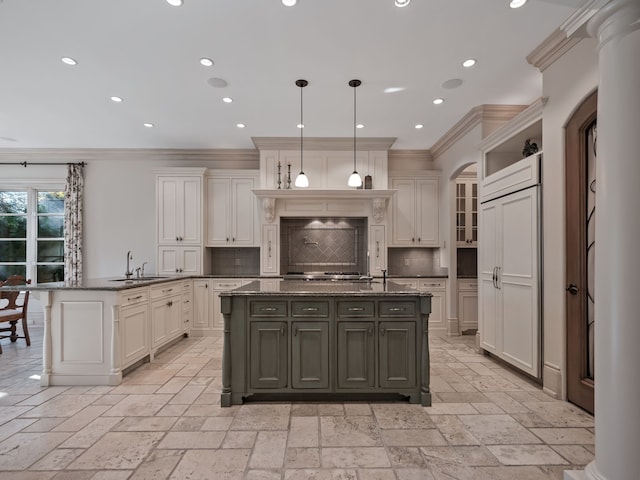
x=309, y=309
x=397, y=309
x=468, y=285
x=165, y=290
x=268, y=309
x=432, y=284
x=355, y=309
x=225, y=285
x=134, y=296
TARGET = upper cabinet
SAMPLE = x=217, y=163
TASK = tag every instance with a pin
x=179, y=205
x=231, y=209
x=466, y=211
x=415, y=210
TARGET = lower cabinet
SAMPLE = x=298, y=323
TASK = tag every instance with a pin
x=397, y=344
x=468, y=305
x=269, y=354
x=356, y=355
x=310, y=355
x=166, y=313
x=134, y=322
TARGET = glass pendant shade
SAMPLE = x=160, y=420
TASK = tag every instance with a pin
x=302, y=180
x=354, y=180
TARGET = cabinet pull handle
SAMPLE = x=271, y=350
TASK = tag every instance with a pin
x=282, y=330
x=397, y=309
x=167, y=290
x=186, y=301
x=418, y=239
x=498, y=278
x=382, y=330
x=310, y=309
x=269, y=250
x=356, y=309
x=370, y=330
x=227, y=239
x=169, y=303
x=413, y=239
x=377, y=249
x=134, y=298
x=233, y=239
x=177, y=239
x=493, y=277
x=268, y=309
x=295, y=331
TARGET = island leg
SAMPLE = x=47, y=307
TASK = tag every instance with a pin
x=425, y=392
x=225, y=396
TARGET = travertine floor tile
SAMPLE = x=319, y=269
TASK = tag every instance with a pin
x=210, y=464
x=302, y=458
x=349, y=431
x=355, y=457
x=117, y=450
x=497, y=429
x=269, y=450
x=191, y=440
x=526, y=455
x=401, y=415
x=21, y=450
x=412, y=438
x=304, y=432
x=565, y=436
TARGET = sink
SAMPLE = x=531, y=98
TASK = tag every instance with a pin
x=141, y=279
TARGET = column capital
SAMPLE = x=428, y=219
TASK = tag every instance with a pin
x=614, y=20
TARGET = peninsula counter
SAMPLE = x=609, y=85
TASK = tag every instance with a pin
x=297, y=340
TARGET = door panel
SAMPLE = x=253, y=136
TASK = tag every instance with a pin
x=397, y=343
x=268, y=355
x=356, y=355
x=310, y=355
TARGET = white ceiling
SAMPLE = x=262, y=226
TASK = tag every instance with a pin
x=148, y=53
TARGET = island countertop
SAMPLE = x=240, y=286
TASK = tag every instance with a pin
x=106, y=284
x=359, y=288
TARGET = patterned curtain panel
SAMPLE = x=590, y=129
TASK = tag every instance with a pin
x=73, y=192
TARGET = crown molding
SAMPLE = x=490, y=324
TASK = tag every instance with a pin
x=551, y=49
x=410, y=155
x=525, y=118
x=323, y=143
x=87, y=154
x=576, y=24
x=473, y=118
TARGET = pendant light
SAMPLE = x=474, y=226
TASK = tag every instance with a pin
x=301, y=180
x=354, y=179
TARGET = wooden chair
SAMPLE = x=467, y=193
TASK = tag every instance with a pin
x=13, y=311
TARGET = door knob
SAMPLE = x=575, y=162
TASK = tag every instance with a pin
x=573, y=289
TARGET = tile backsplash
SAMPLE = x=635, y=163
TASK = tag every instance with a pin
x=235, y=261
x=323, y=244
x=415, y=261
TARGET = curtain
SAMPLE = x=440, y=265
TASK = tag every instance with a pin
x=73, y=193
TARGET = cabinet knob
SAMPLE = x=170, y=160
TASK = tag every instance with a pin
x=382, y=330
x=282, y=330
x=418, y=239
x=573, y=289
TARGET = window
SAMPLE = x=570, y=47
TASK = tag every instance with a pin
x=32, y=234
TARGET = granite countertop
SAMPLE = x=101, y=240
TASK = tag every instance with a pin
x=109, y=284
x=324, y=288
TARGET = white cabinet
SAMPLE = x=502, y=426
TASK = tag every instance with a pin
x=438, y=289
x=134, y=325
x=187, y=305
x=166, y=313
x=377, y=250
x=467, y=305
x=179, y=205
x=415, y=211
x=466, y=212
x=509, y=266
x=202, y=306
x=179, y=260
x=270, y=250
x=222, y=285
x=231, y=210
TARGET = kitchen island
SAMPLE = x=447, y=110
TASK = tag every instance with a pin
x=97, y=329
x=301, y=340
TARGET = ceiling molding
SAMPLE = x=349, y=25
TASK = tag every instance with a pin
x=80, y=154
x=410, y=155
x=473, y=118
x=323, y=143
x=525, y=118
x=551, y=49
x=576, y=24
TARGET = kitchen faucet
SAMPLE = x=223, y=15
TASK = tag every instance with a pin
x=128, y=273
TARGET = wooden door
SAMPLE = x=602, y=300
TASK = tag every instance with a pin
x=310, y=355
x=268, y=355
x=580, y=217
x=487, y=291
x=218, y=211
x=242, y=213
x=397, y=344
x=427, y=212
x=356, y=355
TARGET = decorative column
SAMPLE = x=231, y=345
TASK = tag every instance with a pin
x=616, y=26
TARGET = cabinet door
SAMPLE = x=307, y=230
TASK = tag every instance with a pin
x=356, y=355
x=270, y=249
x=135, y=337
x=159, y=315
x=218, y=211
x=468, y=310
x=403, y=212
x=217, y=320
x=187, y=307
x=377, y=250
x=190, y=210
x=243, y=206
x=487, y=264
x=438, y=315
x=202, y=315
x=268, y=355
x=191, y=260
x=397, y=343
x=174, y=316
x=310, y=355
x=426, y=230
x=168, y=207
x=466, y=213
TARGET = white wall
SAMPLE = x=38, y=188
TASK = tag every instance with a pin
x=566, y=83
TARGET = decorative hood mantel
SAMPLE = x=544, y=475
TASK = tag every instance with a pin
x=270, y=196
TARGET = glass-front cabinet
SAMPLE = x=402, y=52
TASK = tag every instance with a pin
x=467, y=212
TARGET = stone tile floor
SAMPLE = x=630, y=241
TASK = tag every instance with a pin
x=165, y=422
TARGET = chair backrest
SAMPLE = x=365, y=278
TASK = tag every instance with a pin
x=13, y=295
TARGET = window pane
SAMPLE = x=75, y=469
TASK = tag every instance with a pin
x=51, y=251
x=50, y=202
x=13, y=227
x=8, y=270
x=50, y=273
x=13, y=202
x=13, y=251
x=50, y=227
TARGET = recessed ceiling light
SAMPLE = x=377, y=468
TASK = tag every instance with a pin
x=116, y=99
x=419, y=126
x=402, y=3
x=289, y=3
x=438, y=101
x=359, y=125
x=517, y=3
x=469, y=63
x=300, y=125
x=207, y=62
x=148, y=125
x=240, y=125
x=175, y=3
x=394, y=89
x=227, y=100
x=69, y=61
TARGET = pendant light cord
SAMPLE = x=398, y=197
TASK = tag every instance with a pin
x=301, y=129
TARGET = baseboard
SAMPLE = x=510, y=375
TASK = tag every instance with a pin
x=453, y=327
x=552, y=381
